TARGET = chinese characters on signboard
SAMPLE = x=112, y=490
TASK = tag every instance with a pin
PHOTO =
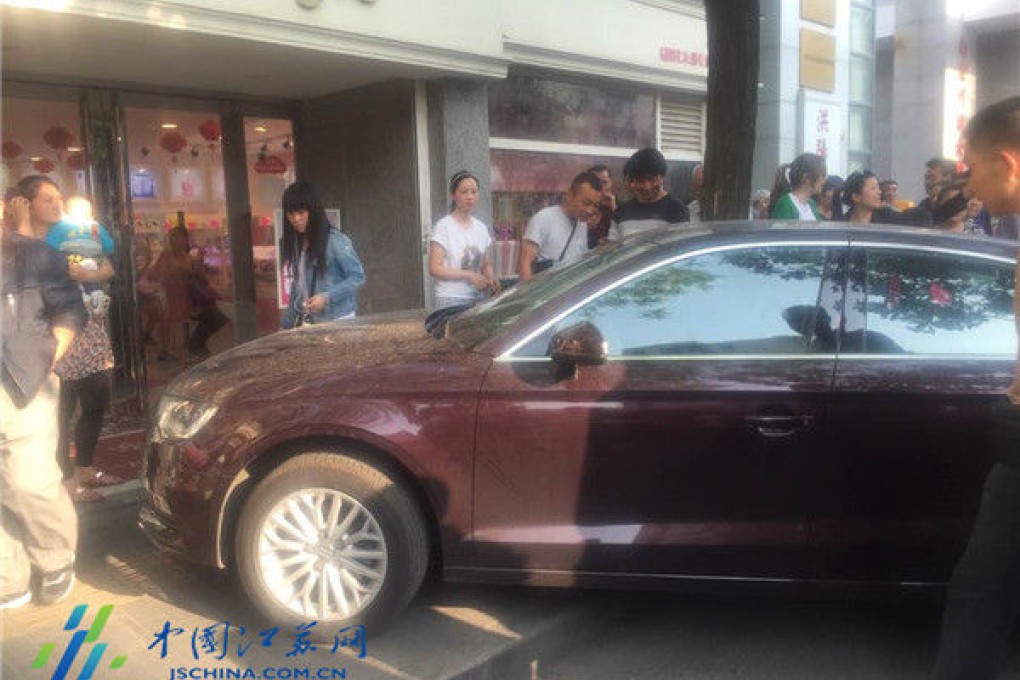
x=822, y=132
x=959, y=97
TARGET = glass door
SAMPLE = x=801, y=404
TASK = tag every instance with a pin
x=181, y=245
x=269, y=153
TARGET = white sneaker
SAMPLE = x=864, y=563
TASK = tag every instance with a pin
x=55, y=586
x=16, y=600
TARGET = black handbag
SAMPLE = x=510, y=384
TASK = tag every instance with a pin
x=540, y=264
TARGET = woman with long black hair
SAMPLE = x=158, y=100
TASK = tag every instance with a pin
x=321, y=259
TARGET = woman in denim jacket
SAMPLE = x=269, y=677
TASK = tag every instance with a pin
x=325, y=269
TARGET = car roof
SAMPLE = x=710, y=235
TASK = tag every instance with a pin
x=742, y=231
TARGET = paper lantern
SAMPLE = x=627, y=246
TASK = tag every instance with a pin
x=58, y=137
x=76, y=162
x=10, y=150
x=210, y=130
x=270, y=165
x=173, y=141
x=43, y=165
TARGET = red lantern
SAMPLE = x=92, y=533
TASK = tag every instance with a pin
x=173, y=141
x=210, y=130
x=43, y=165
x=76, y=162
x=58, y=137
x=270, y=165
x=10, y=150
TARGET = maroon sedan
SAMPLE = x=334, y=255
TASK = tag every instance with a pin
x=746, y=401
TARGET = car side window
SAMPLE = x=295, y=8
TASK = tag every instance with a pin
x=936, y=303
x=739, y=302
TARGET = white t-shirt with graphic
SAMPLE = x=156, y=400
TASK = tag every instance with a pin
x=464, y=248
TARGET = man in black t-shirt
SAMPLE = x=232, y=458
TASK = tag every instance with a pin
x=652, y=206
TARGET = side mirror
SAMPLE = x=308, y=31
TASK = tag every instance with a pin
x=579, y=345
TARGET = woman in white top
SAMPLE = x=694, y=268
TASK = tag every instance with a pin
x=460, y=257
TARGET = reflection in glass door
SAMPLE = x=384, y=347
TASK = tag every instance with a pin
x=181, y=246
x=269, y=150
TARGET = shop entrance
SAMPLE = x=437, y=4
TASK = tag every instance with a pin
x=195, y=226
x=181, y=247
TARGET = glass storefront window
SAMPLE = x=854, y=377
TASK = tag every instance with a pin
x=269, y=146
x=859, y=139
x=175, y=165
x=862, y=78
x=42, y=136
x=532, y=108
x=862, y=33
x=523, y=183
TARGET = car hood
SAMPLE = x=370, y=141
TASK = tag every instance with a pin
x=347, y=348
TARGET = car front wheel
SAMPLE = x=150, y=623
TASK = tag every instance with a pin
x=330, y=539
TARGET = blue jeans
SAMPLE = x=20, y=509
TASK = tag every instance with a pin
x=984, y=594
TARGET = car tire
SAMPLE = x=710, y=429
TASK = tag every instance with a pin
x=297, y=569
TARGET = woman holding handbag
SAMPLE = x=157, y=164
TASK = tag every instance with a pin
x=321, y=259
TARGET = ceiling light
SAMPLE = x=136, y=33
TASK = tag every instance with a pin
x=35, y=158
x=74, y=149
x=169, y=126
x=261, y=128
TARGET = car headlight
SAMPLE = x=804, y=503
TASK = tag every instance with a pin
x=179, y=418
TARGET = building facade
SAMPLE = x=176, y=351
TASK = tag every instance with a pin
x=817, y=67
x=938, y=63
x=200, y=112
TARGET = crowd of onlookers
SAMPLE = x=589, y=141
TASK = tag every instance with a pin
x=460, y=254
x=802, y=190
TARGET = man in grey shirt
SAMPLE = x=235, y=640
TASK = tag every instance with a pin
x=560, y=233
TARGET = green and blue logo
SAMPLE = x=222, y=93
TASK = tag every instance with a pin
x=79, y=639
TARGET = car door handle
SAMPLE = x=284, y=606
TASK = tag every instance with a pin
x=779, y=426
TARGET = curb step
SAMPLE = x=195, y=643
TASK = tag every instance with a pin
x=522, y=659
x=119, y=497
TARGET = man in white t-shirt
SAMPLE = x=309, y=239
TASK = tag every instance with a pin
x=560, y=233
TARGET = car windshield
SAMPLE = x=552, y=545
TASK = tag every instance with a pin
x=491, y=317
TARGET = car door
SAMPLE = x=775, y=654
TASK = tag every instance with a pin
x=681, y=454
x=930, y=345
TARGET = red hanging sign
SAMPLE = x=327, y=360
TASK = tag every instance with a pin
x=270, y=165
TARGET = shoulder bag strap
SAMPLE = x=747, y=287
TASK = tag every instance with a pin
x=569, y=239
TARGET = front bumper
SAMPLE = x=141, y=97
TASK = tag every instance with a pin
x=180, y=501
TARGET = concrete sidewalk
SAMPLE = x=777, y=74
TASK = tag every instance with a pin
x=450, y=632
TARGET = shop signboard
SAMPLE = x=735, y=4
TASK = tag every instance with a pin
x=822, y=130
